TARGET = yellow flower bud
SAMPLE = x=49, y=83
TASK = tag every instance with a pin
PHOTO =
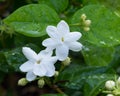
x=22, y=82
x=86, y=28
x=83, y=16
x=66, y=62
x=41, y=83
x=56, y=73
x=87, y=23
x=110, y=85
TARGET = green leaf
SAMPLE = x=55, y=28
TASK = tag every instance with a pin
x=98, y=56
x=76, y=75
x=105, y=30
x=96, y=82
x=15, y=57
x=58, y=5
x=4, y=67
x=31, y=20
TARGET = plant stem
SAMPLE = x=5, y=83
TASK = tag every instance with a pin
x=58, y=89
x=76, y=24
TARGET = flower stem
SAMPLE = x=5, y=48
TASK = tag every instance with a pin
x=76, y=24
x=55, y=87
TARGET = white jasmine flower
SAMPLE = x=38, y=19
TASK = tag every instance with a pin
x=41, y=64
x=62, y=40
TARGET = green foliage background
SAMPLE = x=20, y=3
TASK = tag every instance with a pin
x=97, y=62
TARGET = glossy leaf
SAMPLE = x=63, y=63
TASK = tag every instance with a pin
x=105, y=30
x=76, y=75
x=98, y=56
x=31, y=20
x=15, y=57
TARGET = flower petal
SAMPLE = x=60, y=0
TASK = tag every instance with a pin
x=62, y=52
x=50, y=70
x=75, y=46
x=63, y=27
x=30, y=76
x=29, y=53
x=50, y=43
x=73, y=36
x=39, y=70
x=45, y=53
x=50, y=66
x=27, y=66
x=52, y=32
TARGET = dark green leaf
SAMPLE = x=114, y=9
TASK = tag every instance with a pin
x=98, y=56
x=76, y=75
x=3, y=63
x=15, y=57
x=95, y=83
x=105, y=30
x=31, y=20
x=58, y=5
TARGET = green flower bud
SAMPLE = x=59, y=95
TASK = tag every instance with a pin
x=41, y=83
x=110, y=85
x=56, y=73
x=83, y=17
x=86, y=29
x=67, y=61
x=87, y=23
x=22, y=82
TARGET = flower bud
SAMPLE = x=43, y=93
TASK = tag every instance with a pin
x=66, y=62
x=110, y=85
x=56, y=73
x=86, y=29
x=83, y=17
x=41, y=83
x=87, y=23
x=110, y=95
x=22, y=82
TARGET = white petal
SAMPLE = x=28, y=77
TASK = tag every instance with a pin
x=50, y=43
x=27, y=66
x=48, y=64
x=75, y=46
x=50, y=70
x=73, y=36
x=62, y=52
x=39, y=70
x=30, y=76
x=29, y=53
x=45, y=53
x=52, y=32
x=63, y=27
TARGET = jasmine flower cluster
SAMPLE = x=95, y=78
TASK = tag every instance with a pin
x=61, y=40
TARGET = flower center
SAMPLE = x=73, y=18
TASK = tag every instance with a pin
x=62, y=39
x=38, y=62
